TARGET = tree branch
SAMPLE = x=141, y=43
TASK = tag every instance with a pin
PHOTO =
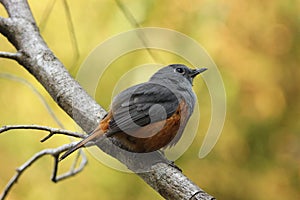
x=55, y=154
x=52, y=131
x=21, y=30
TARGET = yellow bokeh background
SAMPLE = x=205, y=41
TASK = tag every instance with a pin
x=256, y=46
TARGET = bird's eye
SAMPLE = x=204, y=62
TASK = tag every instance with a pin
x=180, y=70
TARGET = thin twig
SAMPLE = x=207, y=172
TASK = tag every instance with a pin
x=52, y=131
x=135, y=24
x=46, y=14
x=53, y=152
x=74, y=43
x=73, y=170
x=13, y=56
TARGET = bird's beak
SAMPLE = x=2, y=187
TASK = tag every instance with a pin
x=195, y=72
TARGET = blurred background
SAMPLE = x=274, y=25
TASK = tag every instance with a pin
x=256, y=46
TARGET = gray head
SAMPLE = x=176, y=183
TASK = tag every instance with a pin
x=176, y=73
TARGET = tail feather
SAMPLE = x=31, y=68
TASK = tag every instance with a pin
x=94, y=135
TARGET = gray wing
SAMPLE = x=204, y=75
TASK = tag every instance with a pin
x=141, y=105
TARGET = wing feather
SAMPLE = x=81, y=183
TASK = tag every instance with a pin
x=142, y=104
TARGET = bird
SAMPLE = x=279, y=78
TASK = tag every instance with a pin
x=149, y=116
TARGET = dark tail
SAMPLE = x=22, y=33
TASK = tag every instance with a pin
x=94, y=135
